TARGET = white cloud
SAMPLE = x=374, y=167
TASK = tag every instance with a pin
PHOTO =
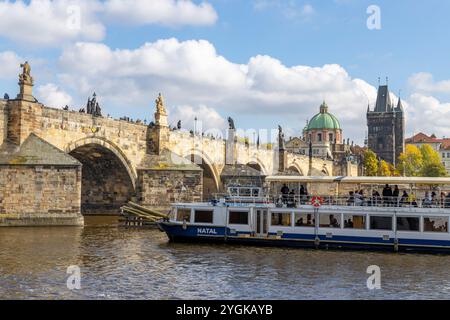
x=55, y=22
x=425, y=83
x=427, y=114
x=192, y=73
x=164, y=12
x=52, y=96
x=10, y=63
x=50, y=22
x=289, y=9
x=207, y=118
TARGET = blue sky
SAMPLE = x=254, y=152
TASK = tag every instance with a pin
x=254, y=48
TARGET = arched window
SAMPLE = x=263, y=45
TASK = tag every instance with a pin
x=330, y=137
x=319, y=137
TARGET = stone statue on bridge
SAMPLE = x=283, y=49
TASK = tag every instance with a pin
x=25, y=76
x=93, y=107
x=231, y=124
x=160, y=108
x=281, y=142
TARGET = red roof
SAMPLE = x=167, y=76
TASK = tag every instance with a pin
x=423, y=138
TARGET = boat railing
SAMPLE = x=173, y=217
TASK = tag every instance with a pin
x=292, y=201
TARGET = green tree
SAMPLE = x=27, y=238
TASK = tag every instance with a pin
x=370, y=163
x=432, y=165
x=411, y=162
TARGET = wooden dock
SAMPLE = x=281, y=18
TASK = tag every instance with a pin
x=134, y=215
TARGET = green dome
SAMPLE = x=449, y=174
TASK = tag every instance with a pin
x=324, y=120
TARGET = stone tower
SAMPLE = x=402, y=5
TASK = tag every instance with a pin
x=386, y=125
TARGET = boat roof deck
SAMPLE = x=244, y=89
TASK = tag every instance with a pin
x=361, y=180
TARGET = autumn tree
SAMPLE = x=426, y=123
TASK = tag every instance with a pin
x=385, y=169
x=370, y=163
x=421, y=162
x=411, y=162
x=432, y=165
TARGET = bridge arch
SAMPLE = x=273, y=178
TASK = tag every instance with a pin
x=295, y=167
x=258, y=165
x=211, y=177
x=108, y=179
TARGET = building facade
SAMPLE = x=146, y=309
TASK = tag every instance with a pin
x=441, y=146
x=323, y=134
x=386, y=124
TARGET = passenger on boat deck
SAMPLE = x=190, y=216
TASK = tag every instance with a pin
x=303, y=194
x=376, y=198
x=291, y=199
x=395, y=196
x=359, y=198
x=285, y=193
x=442, y=200
x=428, y=201
x=348, y=223
x=299, y=222
x=404, y=198
x=333, y=222
x=447, y=200
x=308, y=220
x=387, y=196
x=412, y=200
x=351, y=198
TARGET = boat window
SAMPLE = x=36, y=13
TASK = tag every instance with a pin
x=408, y=223
x=234, y=192
x=183, y=214
x=330, y=220
x=238, y=217
x=281, y=219
x=352, y=221
x=245, y=192
x=435, y=224
x=304, y=220
x=255, y=192
x=380, y=223
x=203, y=216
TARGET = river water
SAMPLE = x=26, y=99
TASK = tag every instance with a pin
x=120, y=263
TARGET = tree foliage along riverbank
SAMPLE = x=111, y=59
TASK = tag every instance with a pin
x=414, y=162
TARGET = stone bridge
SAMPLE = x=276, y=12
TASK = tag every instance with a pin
x=152, y=164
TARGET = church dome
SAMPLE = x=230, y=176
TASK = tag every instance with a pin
x=324, y=120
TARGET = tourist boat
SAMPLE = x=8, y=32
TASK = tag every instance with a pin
x=247, y=215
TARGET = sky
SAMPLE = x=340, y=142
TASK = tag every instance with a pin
x=263, y=62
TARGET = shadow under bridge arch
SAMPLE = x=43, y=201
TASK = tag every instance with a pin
x=107, y=180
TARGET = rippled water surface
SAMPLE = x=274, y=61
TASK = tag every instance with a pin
x=119, y=263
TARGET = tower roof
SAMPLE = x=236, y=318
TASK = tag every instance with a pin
x=324, y=120
x=384, y=103
x=399, y=105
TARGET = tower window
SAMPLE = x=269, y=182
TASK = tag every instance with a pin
x=330, y=137
x=319, y=137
